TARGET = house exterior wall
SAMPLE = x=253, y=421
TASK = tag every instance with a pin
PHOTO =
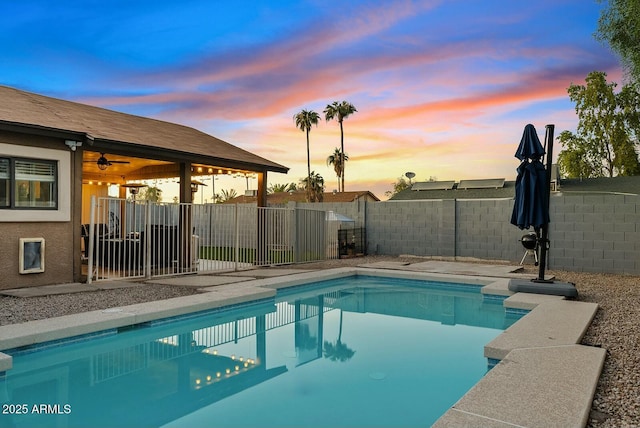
x=61, y=259
x=588, y=232
x=58, y=258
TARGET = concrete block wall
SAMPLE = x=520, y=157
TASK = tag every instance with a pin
x=588, y=232
x=595, y=233
x=484, y=231
x=411, y=227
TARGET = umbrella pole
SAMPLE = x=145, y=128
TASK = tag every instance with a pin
x=544, y=238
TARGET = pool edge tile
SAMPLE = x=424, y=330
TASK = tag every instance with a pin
x=551, y=323
x=50, y=329
x=562, y=380
x=455, y=418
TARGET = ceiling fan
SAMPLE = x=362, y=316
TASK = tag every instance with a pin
x=103, y=163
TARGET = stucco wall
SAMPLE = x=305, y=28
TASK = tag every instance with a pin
x=55, y=226
x=58, y=254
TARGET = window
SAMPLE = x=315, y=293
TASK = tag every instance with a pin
x=5, y=200
x=28, y=184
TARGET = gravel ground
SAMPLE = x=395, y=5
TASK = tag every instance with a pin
x=616, y=326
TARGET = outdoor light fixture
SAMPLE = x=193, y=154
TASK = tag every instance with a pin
x=194, y=187
x=73, y=145
x=134, y=188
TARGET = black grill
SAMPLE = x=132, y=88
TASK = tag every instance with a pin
x=529, y=241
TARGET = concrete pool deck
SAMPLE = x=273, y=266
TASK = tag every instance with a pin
x=544, y=377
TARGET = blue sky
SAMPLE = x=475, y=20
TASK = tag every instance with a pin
x=442, y=88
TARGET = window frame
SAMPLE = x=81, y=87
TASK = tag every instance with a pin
x=53, y=199
x=64, y=158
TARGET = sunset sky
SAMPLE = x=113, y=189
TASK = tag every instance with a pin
x=442, y=88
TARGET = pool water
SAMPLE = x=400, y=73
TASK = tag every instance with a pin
x=360, y=351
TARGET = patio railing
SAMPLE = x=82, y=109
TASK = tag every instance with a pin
x=129, y=239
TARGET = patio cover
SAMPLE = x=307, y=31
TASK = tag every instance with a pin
x=109, y=130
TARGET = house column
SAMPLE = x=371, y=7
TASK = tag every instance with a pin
x=261, y=200
x=261, y=197
x=185, y=182
x=185, y=232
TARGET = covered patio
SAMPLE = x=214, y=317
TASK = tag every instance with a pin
x=97, y=145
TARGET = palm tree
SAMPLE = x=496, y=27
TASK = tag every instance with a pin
x=340, y=111
x=314, y=186
x=304, y=120
x=276, y=188
x=282, y=188
x=228, y=194
x=335, y=159
x=338, y=351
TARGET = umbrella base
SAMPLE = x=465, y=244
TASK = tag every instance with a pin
x=566, y=289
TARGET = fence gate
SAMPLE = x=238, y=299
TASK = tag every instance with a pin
x=129, y=239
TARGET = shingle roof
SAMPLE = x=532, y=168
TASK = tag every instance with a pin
x=26, y=109
x=627, y=185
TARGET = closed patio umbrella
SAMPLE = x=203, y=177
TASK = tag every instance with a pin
x=531, y=199
x=531, y=206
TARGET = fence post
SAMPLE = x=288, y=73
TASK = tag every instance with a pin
x=147, y=241
x=237, y=243
x=92, y=228
x=294, y=231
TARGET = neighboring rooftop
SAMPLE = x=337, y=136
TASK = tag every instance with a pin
x=474, y=190
x=625, y=185
x=280, y=198
x=454, y=192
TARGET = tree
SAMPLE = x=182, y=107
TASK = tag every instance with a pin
x=340, y=111
x=336, y=160
x=573, y=160
x=607, y=132
x=304, y=119
x=282, y=188
x=338, y=351
x=619, y=26
x=314, y=187
x=400, y=185
x=151, y=193
x=228, y=195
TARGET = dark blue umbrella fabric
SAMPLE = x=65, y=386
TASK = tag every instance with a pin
x=530, y=207
x=530, y=147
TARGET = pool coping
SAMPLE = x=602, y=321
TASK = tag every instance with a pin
x=533, y=384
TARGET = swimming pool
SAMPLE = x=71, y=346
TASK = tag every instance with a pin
x=359, y=351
